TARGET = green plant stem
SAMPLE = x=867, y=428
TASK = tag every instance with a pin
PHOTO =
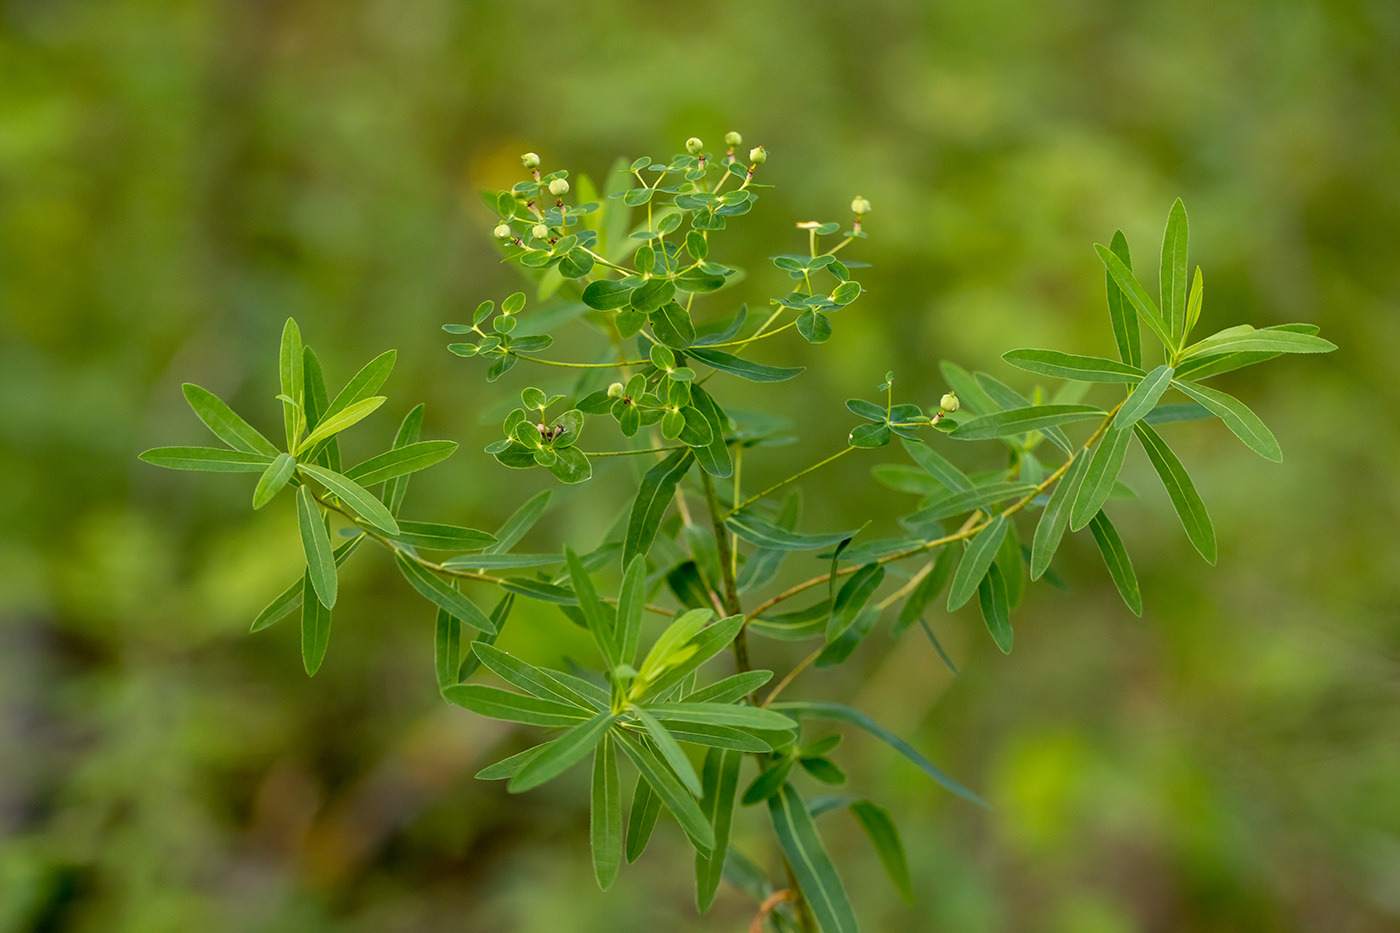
x=796, y=476
x=543, y=361
x=630, y=453
x=969, y=528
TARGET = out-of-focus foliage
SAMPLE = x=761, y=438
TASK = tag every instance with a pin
x=178, y=178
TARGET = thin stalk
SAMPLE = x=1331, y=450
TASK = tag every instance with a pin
x=796, y=476
x=731, y=590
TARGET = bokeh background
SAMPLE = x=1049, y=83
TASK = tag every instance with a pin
x=176, y=178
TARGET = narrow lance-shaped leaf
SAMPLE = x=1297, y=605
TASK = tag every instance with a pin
x=673, y=796
x=320, y=561
x=496, y=703
x=1193, y=303
x=315, y=628
x=1070, y=366
x=641, y=818
x=317, y=404
x=631, y=603
x=447, y=645
x=1115, y=555
x=1144, y=397
x=206, y=459
x=598, y=624
x=991, y=597
x=1237, y=417
x=273, y=479
x=1137, y=296
x=670, y=750
x=432, y=588
x=1173, y=290
x=520, y=522
x=720, y=777
x=927, y=590
x=765, y=534
x=1051, y=527
x=533, y=680
x=331, y=425
x=1187, y=502
x=1024, y=420
x=744, y=369
x=980, y=553
x=563, y=753
x=936, y=465
x=354, y=495
x=1099, y=478
x=816, y=876
x=226, y=424
x=293, y=382
x=444, y=537
x=1126, y=332
x=364, y=383
x=605, y=815
x=1246, y=339
x=878, y=825
x=657, y=489
x=400, y=461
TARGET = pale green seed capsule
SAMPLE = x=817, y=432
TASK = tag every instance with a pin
x=616, y=389
x=558, y=186
x=693, y=146
x=949, y=403
x=540, y=232
x=758, y=156
x=732, y=139
x=530, y=160
x=502, y=230
x=860, y=205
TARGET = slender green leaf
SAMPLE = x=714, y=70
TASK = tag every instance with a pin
x=765, y=534
x=695, y=651
x=364, y=383
x=1126, y=333
x=1120, y=567
x=441, y=594
x=1187, y=502
x=354, y=495
x=273, y=479
x=400, y=461
x=408, y=433
x=657, y=490
x=333, y=424
x=936, y=465
x=878, y=825
x=1051, y=527
x=605, y=815
x=1009, y=399
x=289, y=599
x=720, y=778
x=1237, y=417
x=981, y=551
x=744, y=369
x=641, y=818
x=631, y=603
x=226, y=424
x=208, y=459
x=317, y=403
x=734, y=715
x=714, y=457
x=1174, y=412
x=1245, y=339
x=320, y=561
x=854, y=594
x=1143, y=398
x=978, y=497
x=816, y=876
x=675, y=797
x=844, y=645
x=719, y=737
x=1070, y=366
x=489, y=561
x=315, y=627
x=499, y=614
x=1193, y=303
x=823, y=710
x=510, y=767
x=731, y=688
x=538, y=589
x=447, y=649
x=1099, y=477
x=534, y=680
x=991, y=597
x=434, y=536
x=1137, y=296
x=1024, y=420
x=496, y=703
x=596, y=621
x=293, y=380
x=563, y=753
x=670, y=750
x=1173, y=290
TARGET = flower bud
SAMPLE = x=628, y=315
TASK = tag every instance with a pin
x=558, y=186
x=860, y=205
x=530, y=160
x=732, y=139
x=540, y=232
x=758, y=156
x=616, y=389
x=502, y=230
x=693, y=146
x=948, y=403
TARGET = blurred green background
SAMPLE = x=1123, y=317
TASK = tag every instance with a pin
x=176, y=178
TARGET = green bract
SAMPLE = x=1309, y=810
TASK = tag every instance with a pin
x=670, y=589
